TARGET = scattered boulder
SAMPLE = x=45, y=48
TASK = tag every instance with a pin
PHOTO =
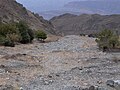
x=110, y=83
x=92, y=88
x=114, y=84
x=6, y=87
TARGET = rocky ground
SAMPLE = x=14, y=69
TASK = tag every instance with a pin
x=71, y=63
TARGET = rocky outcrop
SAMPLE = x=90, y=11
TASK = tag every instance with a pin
x=68, y=24
x=11, y=10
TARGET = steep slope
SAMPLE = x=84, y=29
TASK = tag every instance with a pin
x=68, y=24
x=10, y=11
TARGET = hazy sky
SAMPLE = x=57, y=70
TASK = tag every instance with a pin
x=44, y=5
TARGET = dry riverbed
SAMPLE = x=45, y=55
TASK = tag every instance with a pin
x=71, y=63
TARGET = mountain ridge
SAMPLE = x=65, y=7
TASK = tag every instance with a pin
x=96, y=6
x=68, y=24
x=51, y=8
x=11, y=11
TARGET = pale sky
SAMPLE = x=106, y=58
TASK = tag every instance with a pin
x=44, y=5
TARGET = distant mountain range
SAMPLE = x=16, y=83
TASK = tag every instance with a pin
x=95, y=6
x=86, y=6
x=51, y=8
x=49, y=14
x=69, y=24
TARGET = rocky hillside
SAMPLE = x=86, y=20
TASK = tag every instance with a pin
x=10, y=11
x=68, y=24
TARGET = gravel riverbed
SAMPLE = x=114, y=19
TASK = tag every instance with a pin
x=71, y=63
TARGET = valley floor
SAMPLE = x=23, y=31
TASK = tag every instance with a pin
x=70, y=63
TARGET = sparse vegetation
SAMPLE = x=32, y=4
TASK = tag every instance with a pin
x=107, y=39
x=31, y=34
x=2, y=40
x=8, y=34
x=15, y=32
x=25, y=32
x=41, y=35
x=19, y=32
x=11, y=39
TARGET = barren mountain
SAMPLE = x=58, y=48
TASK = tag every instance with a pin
x=68, y=24
x=95, y=6
x=10, y=11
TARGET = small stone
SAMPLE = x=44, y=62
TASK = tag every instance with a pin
x=51, y=81
x=57, y=75
x=7, y=72
x=24, y=54
x=2, y=66
x=46, y=83
x=110, y=83
x=85, y=84
x=117, y=84
x=50, y=76
x=67, y=78
x=2, y=71
x=99, y=82
x=91, y=88
x=7, y=78
x=17, y=80
x=21, y=88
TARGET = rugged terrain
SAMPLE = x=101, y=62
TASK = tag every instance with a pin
x=69, y=24
x=71, y=63
x=11, y=11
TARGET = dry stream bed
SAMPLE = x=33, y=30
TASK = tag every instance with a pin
x=71, y=63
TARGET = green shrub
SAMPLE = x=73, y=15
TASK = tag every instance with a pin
x=114, y=41
x=8, y=33
x=15, y=32
x=8, y=43
x=31, y=34
x=41, y=35
x=8, y=29
x=9, y=40
x=25, y=38
x=13, y=38
x=107, y=39
x=2, y=40
x=27, y=34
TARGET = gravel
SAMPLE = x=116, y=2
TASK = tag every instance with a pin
x=71, y=63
